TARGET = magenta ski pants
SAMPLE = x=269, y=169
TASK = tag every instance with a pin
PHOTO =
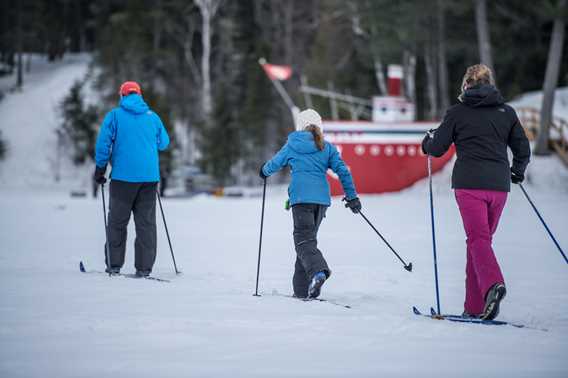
x=480, y=211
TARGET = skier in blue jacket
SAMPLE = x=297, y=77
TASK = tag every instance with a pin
x=309, y=157
x=130, y=137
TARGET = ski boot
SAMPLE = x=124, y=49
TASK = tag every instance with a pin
x=467, y=315
x=492, y=301
x=113, y=271
x=142, y=273
x=315, y=285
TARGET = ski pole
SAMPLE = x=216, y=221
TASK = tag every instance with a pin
x=260, y=240
x=433, y=234
x=107, y=251
x=167, y=233
x=543, y=223
x=406, y=266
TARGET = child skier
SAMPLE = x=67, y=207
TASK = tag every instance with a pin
x=481, y=126
x=309, y=157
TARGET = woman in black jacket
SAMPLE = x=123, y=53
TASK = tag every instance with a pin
x=481, y=126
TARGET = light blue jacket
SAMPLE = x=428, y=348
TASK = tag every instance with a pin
x=308, y=167
x=130, y=138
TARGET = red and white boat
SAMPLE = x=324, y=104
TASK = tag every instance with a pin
x=384, y=155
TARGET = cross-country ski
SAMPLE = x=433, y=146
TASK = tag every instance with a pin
x=83, y=269
x=471, y=320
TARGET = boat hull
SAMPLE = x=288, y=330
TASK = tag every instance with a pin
x=383, y=160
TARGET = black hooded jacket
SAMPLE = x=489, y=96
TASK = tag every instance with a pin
x=481, y=127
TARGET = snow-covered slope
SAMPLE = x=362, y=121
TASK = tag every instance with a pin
x=58, y=322
x=28, y=121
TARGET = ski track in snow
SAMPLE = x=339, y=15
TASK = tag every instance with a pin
x=58, y=322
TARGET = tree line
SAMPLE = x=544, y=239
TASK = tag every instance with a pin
x=198, y=60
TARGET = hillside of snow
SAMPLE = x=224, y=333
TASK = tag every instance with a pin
x=534, y=100
x=58, y=322
x=29, y=120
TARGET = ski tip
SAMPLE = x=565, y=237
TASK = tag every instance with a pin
x=416, y=311
x=81, y=267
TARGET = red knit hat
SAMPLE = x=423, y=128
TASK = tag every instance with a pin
x=129, y=87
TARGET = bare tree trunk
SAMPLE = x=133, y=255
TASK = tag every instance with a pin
x=332, y=102
x=431, y=80
x=19, y=46
x=156, y=40
x=551, y=80
x=378, y=63
x=380, y=74
x=484, y=41
x=409, y=69
x=206, y=64
x=208, y=9
x=288, y=31
x=442, y=62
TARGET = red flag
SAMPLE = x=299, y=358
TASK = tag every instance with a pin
x=276, y=72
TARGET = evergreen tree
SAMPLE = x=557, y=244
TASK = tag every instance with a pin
x=79, y=124
x=2, y=147
x=159, y=104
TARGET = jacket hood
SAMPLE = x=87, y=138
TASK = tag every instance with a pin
x=482, y=95
x=302, y=142
x=134, y=103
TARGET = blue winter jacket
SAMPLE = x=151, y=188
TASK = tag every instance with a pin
x=130, y=138
x=308, y=167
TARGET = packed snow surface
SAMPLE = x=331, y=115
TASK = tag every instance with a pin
x=58, y=322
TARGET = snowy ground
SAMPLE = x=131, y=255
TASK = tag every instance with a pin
x=57, y=322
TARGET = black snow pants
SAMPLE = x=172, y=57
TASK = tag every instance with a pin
x=140, y=199
x=309, y=259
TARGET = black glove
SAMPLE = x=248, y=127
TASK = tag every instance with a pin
x=516, y=178
x=354, y=204
x=99, y=175
x=261, y=173
x=429, y=135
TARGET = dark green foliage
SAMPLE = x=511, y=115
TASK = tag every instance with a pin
x=3, y=147
x=160, y=106
x=158, y=44
x=50, y=27
x=79, y=124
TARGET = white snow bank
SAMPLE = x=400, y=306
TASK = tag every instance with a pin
x=534, y=100
x=29, y=119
